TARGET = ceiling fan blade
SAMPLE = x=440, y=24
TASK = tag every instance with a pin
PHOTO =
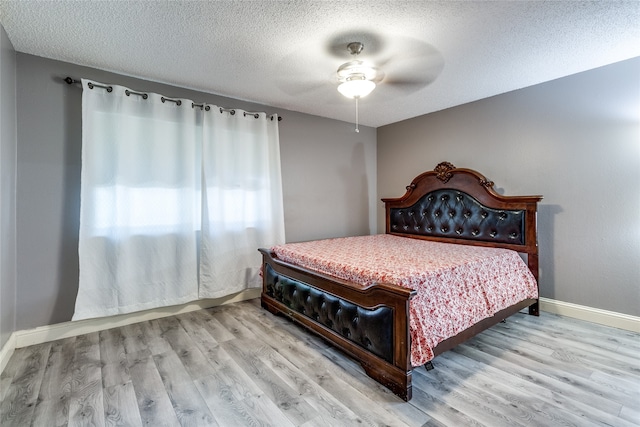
x=304, y=73
x=412, y=72
x=415, y=84
x=318, y=90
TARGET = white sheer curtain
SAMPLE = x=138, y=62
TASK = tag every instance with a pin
x=143, y=206
x=242, y=199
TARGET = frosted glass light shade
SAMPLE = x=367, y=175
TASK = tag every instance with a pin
x=357, y=88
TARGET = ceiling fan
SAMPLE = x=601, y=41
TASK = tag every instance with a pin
x=357, y=78
x=390, y=66
x=412, y=66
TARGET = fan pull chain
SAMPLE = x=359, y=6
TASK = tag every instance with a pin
x=357, y=129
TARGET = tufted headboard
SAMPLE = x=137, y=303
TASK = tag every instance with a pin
x=456, y=205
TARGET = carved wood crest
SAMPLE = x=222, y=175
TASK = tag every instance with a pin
x=443, y=171
x=486, y=183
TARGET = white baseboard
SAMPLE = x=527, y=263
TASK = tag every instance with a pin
x=58, y=331
x=7, y=351
x=589, y=314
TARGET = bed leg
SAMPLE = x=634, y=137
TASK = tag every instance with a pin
x=395, y=379
x=534, y=309
x=428, y=366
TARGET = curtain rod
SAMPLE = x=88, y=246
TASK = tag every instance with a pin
x=70, y=81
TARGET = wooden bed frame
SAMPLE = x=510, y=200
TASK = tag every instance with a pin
x=372, y=324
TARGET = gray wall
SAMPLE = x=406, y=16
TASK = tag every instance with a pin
x=576, y=141
x=7, y=188
x=328, y=178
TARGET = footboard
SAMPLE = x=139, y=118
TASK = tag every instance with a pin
x=370, y=324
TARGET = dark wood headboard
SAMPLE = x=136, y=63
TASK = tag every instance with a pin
x=457, y=205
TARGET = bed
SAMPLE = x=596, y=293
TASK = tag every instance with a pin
x=374, y=298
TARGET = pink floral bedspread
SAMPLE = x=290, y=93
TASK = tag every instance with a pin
x=457, y=285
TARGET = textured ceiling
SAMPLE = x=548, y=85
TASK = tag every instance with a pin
x=284, y=54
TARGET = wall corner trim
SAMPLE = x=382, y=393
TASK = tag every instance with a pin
x=590, y=314
x=7, y=351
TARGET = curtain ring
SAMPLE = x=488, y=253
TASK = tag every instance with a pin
x=177, y=101
x=92, y=85
x=143, y=95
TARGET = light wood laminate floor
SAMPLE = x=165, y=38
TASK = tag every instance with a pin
x=238, y=365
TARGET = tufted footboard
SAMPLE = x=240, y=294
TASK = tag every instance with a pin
x=370, y=324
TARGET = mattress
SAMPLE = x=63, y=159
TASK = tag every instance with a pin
x=456, y=285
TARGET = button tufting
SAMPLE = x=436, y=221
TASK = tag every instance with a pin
x=446, y=212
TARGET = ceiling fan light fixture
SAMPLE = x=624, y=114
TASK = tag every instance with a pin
x=357, y=78
x=356, y=87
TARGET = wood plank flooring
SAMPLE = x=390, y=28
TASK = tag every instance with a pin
x=238, y=365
